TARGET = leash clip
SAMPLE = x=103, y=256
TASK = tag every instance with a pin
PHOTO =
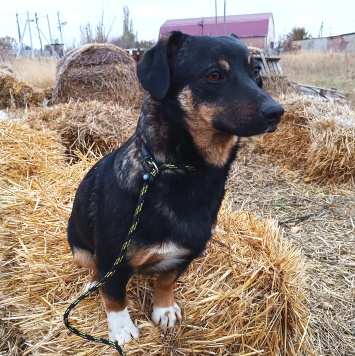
x=152, y=162
x=154, y=170
x=148, y=178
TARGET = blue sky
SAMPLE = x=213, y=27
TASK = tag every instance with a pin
x=148, y=15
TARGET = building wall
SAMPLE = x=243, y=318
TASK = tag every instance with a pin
x=271, y=41
x=342, y=43
x=260, y=42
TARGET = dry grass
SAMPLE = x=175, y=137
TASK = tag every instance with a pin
x=37, y=72
x=249, y=297
x=322, y=69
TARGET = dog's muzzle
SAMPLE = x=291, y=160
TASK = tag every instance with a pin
x=272, y=115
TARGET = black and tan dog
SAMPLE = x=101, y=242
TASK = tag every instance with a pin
x=201, y=94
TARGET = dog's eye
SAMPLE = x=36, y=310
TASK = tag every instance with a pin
x=256, y=73
x=214, y=76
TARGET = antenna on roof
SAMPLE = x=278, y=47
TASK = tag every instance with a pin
x=320, y=34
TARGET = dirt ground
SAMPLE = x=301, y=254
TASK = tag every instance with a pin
x=321, y=221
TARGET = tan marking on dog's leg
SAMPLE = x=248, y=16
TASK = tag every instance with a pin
x=112, y=304
x=249, y=59
x=84, y=258
x=163, y=293
x=165, y=311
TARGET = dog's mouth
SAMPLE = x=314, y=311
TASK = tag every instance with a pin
x=271, y=129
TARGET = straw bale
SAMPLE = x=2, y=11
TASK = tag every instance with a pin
x=17, y=94
x=97, y=71
x=315, y=136
x=92, y=126
x=244, y=297
x=25, y=152
x=255, y=50
x=332, y=150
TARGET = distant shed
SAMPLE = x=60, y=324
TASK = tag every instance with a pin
x=255, y=30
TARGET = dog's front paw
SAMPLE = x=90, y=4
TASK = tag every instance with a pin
x=88, y=286
x=166, y=317
x=121, y=328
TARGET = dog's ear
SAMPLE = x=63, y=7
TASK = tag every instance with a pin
x=154, y=69
x=235, y=36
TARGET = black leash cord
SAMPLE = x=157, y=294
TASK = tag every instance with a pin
x=148, y=179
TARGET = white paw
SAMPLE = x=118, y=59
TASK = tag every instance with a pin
x=121, y=327
x=166, y=317
x=88, y=285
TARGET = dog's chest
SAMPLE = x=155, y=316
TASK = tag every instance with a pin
x=160, y=257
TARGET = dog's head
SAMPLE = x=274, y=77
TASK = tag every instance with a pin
x=214, y=79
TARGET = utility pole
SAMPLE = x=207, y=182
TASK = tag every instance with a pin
x=60, y=31
x=18, y=29
x=225, y=31
x=39, y=33
x=49, y=29
x=19, y=50
x=29, y=28
x=320, y=34
x=55, y=54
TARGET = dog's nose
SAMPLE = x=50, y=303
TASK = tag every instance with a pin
x=273, y=113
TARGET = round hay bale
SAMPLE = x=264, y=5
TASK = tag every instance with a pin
x=97, y=71
x=84, y=127
x=289, y=144
x=331, y=155
x=245, y=296
x=315, y=136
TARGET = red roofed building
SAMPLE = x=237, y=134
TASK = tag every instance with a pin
x=256, y=30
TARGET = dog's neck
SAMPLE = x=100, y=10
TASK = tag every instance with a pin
x=162, y=126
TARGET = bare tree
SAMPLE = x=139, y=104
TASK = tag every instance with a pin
x=102, y=30
x=127, y=40
x=7, y=42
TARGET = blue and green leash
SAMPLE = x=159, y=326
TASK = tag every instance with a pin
x=148, y=179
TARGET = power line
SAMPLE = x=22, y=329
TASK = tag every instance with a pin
x=11, y=15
